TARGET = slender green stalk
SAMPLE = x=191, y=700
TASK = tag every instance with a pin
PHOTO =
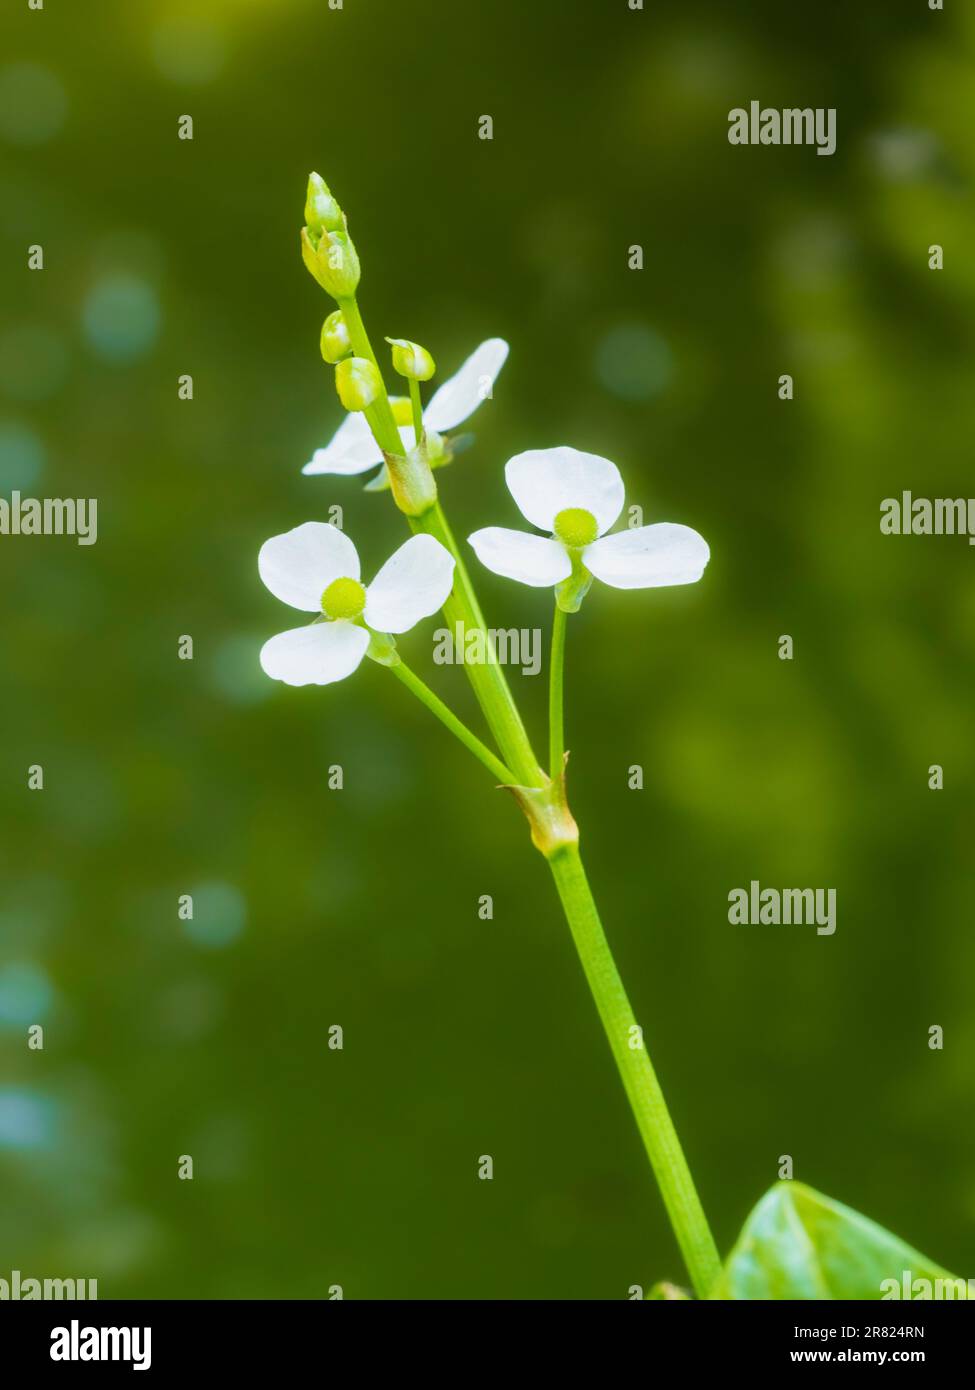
x=636, y=1070
x=556, y=723
x=446, y=716
x=417, y=404
x=494, y=696
x=487, y=677
x=380, y=414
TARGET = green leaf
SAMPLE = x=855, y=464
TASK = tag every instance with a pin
x=798, y=1244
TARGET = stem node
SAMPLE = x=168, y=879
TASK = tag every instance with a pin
x=553, y=827
x=412, y=482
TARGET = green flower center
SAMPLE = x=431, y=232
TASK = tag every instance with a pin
x=344, y=598
x=576, y=527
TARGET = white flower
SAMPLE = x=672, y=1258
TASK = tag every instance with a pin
x=577, y=497
x=315, y=568
x=352, y=448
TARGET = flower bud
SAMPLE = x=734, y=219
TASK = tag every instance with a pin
x=411, y=360
x=335, y=338
x=402, y=408
x=358, y=383
x=322, y=212
x=332, y=260
x=309, y=254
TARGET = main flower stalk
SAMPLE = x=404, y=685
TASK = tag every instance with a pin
x=622, y=1031
x=542, y=797
x=636, y=1071
x=488, y=679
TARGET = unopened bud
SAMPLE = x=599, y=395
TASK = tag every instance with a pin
x=411, y=360
x=402, y=408
x=322, y=212
x=358, y=383
x=332, y=260
x=335, y=338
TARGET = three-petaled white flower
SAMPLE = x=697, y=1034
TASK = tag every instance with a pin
x=352, y=448
x=315, y=568
x=577, y=497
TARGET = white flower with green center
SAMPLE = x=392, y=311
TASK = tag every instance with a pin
x=316, y=568
x=576, y=498
x=353, y=450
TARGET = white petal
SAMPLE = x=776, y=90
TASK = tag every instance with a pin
x=315, y=655
x=299, y=565
x=545, y=482
x=462, y=394
x=648, y=557
x=357, y=452
x=411, y=585
x=533, y=560
x=351, y=450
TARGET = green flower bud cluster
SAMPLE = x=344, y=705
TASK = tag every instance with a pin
x=326, y=247
x=331, y=258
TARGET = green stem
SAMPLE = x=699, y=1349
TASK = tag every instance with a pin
x=636, y=1070
x=380, y=413
x=418, y=430
x=556, y=725
x=450, y=720
x=487, y=677
x=491, y=688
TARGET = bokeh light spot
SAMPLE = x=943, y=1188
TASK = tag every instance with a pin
x=22, y=456
x=121, y=317
x=27, y=1120
x=903, y=154
x=235, y=672
x=32, y=104
x=189, y=50
x=26, y=995
x=633, y=362
x=219, y=915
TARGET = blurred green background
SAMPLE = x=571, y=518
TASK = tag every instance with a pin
x=359, y=907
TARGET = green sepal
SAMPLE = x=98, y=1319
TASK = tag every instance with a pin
x=410, y=478
x=459, y=444
x=331, y=258
x=570, y=593
x=380, y=483
x=382, y=648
